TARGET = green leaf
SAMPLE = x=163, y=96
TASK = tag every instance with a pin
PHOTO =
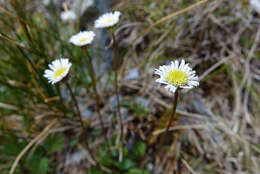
x=54, y=143
x=95, y=171
x=106, y=160
x=126, y=164
x=140, y=148
x=38, y=164
x=74, y=142
x=137, y=171
x=43, y=166
x=11, y=145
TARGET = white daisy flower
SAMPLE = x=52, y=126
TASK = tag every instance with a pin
x=107, y=19
x=82, y=38
x=68, y=15
x=59, y=68
x=177, y=75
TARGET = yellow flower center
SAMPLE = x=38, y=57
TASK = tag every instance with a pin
x=176, y=77
x=110, y=20
x=59, y=72
x=83, y=40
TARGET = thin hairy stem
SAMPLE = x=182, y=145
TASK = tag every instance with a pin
x=175, y=101
x=116, y=85
x=176, y=94
x=84, y=132
x=92, y=73
x=76, y=105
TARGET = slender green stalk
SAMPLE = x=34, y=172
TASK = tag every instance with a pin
x=116, y=85
x=175, y=101
x=92, y=73
x=176, y=94
x=84, y=132
x=85, y=136
x=76, y=104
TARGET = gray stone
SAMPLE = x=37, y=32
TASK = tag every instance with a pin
x=142, y=101
x=87, y=114
x=133, y=74
x=113, y=103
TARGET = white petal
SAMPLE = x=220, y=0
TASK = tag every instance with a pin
x=194, y=83
x=162, y=81
x=107, y=20
x=82, y=38
x=54, y=66
x=187, y=87
x=176, y=64
x=171, y=88
x=182, y=64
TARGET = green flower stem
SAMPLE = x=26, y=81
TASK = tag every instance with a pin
x=85, y=136
x=92, y=73
x=116, y=85
x=121, y=136
x=84, y=132
x=176, y=94
x=175, y=101
x=76, y=104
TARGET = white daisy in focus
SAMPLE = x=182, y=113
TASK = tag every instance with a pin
x=82, y=38
x=256, y=5
x=107, y=19
x=59, y=69
x=68, y=15
x=177, y=75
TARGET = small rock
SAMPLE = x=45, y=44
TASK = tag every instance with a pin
x=65, y=95
x=86, y=114
x=124, y=112
x=113, y=102
x=142, y=101
x=132, y=75
x=131, y=142
x=150, y=166
x=76, y=157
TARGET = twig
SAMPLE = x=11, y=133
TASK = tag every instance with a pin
x=7, y=106
x=15, y=42
x=176, y=14
x=194, y=126
x=212, y=68
x=66, y=10
x=188, y=166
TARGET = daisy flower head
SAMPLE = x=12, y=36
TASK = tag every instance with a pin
x=68, y=15
x=107, y=19
x=177, y=75
x=82, y=38
x=59, y=69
